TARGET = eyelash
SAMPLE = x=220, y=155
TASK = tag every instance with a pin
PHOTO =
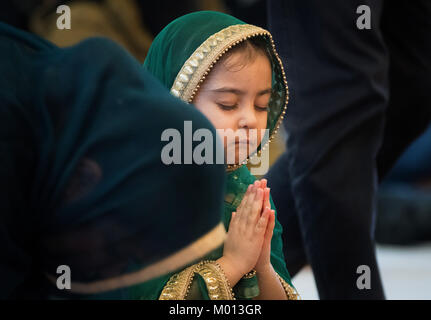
x=266, y=109
x=229, y=108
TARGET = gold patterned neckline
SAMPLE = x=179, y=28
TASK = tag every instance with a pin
x=196, y=68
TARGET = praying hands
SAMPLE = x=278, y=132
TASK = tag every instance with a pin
x=248, y=242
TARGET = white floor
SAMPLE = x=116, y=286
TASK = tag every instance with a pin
x=405, y=271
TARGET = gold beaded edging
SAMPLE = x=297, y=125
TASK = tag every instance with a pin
x=202, y=60
x=250, y=274
x=178, y=286
x=291, y=293
x=217, y=284
x=200, y=63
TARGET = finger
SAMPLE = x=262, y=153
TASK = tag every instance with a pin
x=232, y=224
x=265, y=199
x=270, y=226
x=262, y=223
x=266, y=245
x=257, y=184
x=247, y=206
x=256, y=208
x=244, y=199
x=263, y=183
x=250, y=194
x=267, y=202
x=268, y=231
x=233, y=218
x=273, y=219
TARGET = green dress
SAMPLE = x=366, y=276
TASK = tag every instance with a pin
x=181, y=56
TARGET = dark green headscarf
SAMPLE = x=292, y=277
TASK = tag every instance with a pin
x=183, y=54
x=81, y=178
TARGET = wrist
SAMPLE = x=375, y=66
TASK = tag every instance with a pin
x=264, y=269
x=231, y=270
x=237, y=264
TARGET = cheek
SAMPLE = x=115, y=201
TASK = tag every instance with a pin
x=218, y=118
x=262, y=119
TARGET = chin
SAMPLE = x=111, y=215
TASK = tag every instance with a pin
x=239, y=157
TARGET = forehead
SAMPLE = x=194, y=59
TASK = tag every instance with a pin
x=241, y=70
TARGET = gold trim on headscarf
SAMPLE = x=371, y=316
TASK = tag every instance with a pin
x=203, y=59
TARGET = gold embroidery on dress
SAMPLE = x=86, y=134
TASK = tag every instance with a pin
x=178, y=286
x=291, y=293
x=216, y=282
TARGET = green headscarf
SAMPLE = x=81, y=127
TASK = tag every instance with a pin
x=183, y=54
x=81, y=178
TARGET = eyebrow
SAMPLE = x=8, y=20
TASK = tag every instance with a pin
x=240, y=92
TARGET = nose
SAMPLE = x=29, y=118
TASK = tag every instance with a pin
x=247, y=119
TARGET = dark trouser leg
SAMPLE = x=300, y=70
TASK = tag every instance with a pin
x=337, y=76
x=405, y=218
x=406, y=27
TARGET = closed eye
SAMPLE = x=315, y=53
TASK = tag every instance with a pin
x=263, y=109
x=226, y=107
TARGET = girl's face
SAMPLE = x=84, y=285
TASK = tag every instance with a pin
x=235, y=95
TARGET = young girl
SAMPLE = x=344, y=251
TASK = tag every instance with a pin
x=231, y=72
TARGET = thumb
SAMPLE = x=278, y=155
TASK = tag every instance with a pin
x=232, y=219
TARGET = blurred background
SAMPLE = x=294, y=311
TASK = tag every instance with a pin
x=403, y=228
